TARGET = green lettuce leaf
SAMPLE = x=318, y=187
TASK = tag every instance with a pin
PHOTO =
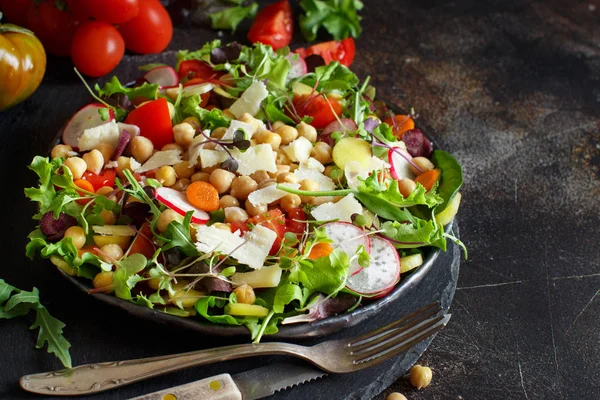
x=146, y=90
x=200, y=54
x=339, y=17
x=209, y=119
x=264, y=63
x=231, y=17
x=451, y=178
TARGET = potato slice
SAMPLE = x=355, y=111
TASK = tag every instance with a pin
x=101, y=240
x=352, y=149
x=448, y=213
x=246, y=310
x=265, y=277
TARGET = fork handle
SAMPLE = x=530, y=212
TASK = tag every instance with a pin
x=94, y=378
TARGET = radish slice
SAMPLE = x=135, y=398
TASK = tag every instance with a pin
x=381, y=275
x=346, y=125
x=87, y=117
x=163, y=76
x=199, y=88
x=179, y=203
x=348, y=238
x=298, y=68
x=400, y=167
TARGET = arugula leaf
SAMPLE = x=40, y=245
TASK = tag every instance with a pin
x=230, y=18
x=417, y=234
x=178, y=236
x=339, y=17
x=50, y=329
x=45, y=193
x=146, y=90
x=125, y=277
x=285, y=294
x=451, y=177
x=209, y=119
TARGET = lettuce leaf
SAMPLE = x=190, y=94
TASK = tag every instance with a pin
x=339, y=17
x=231, y=17
x=146, y=90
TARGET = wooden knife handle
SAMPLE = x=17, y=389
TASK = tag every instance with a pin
x=218, y=387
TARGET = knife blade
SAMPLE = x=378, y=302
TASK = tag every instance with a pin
x=249, y=385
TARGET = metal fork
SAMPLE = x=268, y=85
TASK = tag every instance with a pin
x=335, y=356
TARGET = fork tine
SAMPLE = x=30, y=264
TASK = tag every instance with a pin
x=401, y=343
x=428, y=310
x=382, y=336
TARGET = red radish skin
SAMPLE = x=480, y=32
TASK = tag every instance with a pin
x=298, y=68
x=348, y=238
x=163, y=76
x=87, y=117
x=380, y=277
x=335, y=126
x=400, y=166
x=179, y=203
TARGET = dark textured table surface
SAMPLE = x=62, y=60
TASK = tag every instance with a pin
x=512, y=88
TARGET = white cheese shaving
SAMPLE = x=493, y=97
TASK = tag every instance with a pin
x=133, y=130
x=269, y=194
x=105, y=133
x=251, y=249
x=256, y=158
x=248, y=129
x=325, y=182
x=160, y=159
x=208, y=158
x=134, y=165
x=299, y=150
x=342, y=210
x=312, y=163
x=250, y=101
x=195, y=147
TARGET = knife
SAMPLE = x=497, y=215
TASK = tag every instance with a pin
x=250, y=385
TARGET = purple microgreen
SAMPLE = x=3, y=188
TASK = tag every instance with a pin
x=371, y=123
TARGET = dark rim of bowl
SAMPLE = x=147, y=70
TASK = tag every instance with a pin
x=318, y=328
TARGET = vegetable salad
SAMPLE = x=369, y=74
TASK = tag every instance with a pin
x=242, y=187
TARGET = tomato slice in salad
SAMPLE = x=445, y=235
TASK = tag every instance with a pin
x=197, y=71
x=154, y=120
x=273, y=220
x=273, y=25
x=342, y=51
x=322, y=110
x=293, y=221
x=106, y=177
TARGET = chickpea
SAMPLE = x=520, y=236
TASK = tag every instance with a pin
x=104, y=190
x=166, y=175
x=209, y=170
x=165, y=218
x=307, y=131
x=282, y=158
x=333, y=172
x=106, y=149
x=181, y=184
x=293, y=167
x=200, y=176
x=108, y=217
x=94, y=161
x=220, y=225
x=141, y=148
x=310, y=185
x=218, y=133
x=228, y=201
x=172, y=146
x=183, y=134
x=245, y=294
x=287, y=177
x=111, y=253
x=221, y=179
x=322, y=153
x=153, y=283
x=288, y=134
x=61, y=151
x=268, y=137
x=253, y=210
x=406, y=186
x=249, y=119
x=281, y=169
x=173, y=93
x=267, y=183
x=228, y=113
x=209, y=146
x=318, y=200
x=77, y=235
x=76, y=165
x=396, y=396
x=260, y=176
x=183, y=169
x=277, y=124
x=289, y=202
x=242, y=186
x=193, y=121
x=234, y=214
x=103, y=279
x=420, y=377
x=423, y=163
x=123, y=163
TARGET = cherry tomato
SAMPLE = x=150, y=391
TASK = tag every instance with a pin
x=97, y=48
x=142, y=244
x=196, y=71
x=150, y=31
x=15, y=11
x=332, y=51
x=275, y=221
x=106, y=177
x=293, y=224
x=239, y=226
x=273, y=25
x=112, y=11
x=85, y=185
x=154, y=121
x=320, y=109
x=54, y=28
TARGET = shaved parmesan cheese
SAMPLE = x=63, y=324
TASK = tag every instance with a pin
x=105, y=133
x=251, y=249
x=299, y=150
x=133, y=130
x=248, y=129
x=354, y=171
x=197, y=89
x=256, y=158
x=325, y=182
x=209, y=158
x=196, y=147
x=269, y=194
x=134, y=165
x=312, y=163
x=341, y=211
x=250, y=101
x=160, y=159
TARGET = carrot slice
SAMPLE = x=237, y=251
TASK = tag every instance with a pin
x=203, y=195
x=85, y=185
x=428, y=178
x=400, y=124
x=319, y=250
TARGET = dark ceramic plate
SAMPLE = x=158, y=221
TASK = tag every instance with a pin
x=322, y=327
